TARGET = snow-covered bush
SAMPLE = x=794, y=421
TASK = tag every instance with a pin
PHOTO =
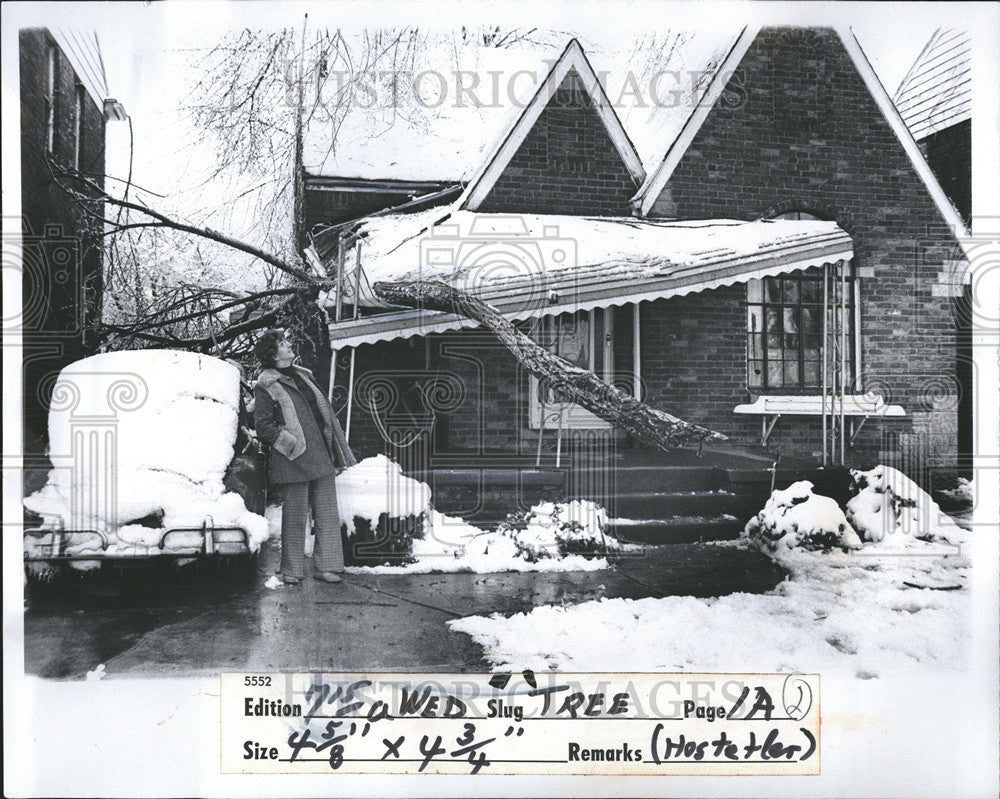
x=381, y=510
x=554, y=530
x=889, y=507
x=796, y=517
x=964, y=492
x=140, y=442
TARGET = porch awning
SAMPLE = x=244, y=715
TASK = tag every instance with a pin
x=565, y=264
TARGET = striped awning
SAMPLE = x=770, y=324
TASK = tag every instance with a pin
x=734, y=257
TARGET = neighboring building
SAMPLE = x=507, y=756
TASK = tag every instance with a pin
x=935, y=101
x=64, y=107
x=783, y=274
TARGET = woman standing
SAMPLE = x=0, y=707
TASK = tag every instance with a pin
x=308, y=447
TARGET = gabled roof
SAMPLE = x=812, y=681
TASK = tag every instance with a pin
x=937, y=91
x=572, y=60
x=657, y=180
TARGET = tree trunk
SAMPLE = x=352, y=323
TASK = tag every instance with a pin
x=568, y=381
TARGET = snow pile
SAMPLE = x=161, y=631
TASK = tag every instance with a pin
x=549, y=537
x=796, y=517
x=140, y=442
x=840, y=611
x=891, y=510
x=864, y=609
x=375, y=486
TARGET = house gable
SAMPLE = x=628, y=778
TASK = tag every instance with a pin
x=800, y=93
x=566, y=153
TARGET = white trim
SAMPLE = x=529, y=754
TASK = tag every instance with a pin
x=651, y=190
x=567, y=415
x=496, y=163
x=636, y=352
x=648, y=194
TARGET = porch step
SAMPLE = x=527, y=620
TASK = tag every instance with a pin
x=647, y=479
x=663, y=505
x=677, y=529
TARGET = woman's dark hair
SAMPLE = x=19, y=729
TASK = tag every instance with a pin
x=266, y=348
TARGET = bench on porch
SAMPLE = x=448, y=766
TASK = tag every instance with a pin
x=771, y=408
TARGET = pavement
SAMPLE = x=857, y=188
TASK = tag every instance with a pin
x=198, y=621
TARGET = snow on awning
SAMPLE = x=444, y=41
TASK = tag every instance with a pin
x=529, y=266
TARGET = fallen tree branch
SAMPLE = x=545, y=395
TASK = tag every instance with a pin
x=568, y=381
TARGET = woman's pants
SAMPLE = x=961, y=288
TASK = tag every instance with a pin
x=328, y=554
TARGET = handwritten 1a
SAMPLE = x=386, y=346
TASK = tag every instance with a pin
x=763, y=702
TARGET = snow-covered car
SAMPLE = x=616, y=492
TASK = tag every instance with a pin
x=141, y=443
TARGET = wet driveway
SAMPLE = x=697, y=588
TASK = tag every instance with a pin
x=194, y=621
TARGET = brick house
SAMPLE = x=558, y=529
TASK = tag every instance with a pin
x=64, y=107
x=784, y=274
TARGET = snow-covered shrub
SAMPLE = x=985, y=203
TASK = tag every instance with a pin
x=141, y=441
x=389, y=541
x=381, y=510
x=796, y=517
x=962, y=496
x=555, y=530
x=889, y=507
x=377, y=486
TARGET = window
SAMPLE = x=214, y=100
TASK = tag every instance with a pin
x=785, y=330
x=584, y=338
x=51, y=94
x=78, y=125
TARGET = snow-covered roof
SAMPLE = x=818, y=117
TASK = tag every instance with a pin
x=530, y=266
x=424, y=128
x=937, y=91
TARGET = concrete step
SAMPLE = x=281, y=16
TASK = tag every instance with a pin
x=677, y=529
x=639, y=479
x=755, y=485
x=663, y=505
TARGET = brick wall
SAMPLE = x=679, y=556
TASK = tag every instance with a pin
x=809, y=137
x=61, y=280
x=567, y=164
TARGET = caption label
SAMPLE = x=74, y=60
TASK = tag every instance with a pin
x=524, y=723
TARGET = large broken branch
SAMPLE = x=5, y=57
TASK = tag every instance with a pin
x=568, y=381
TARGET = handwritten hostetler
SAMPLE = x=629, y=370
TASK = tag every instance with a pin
x=520, y=723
